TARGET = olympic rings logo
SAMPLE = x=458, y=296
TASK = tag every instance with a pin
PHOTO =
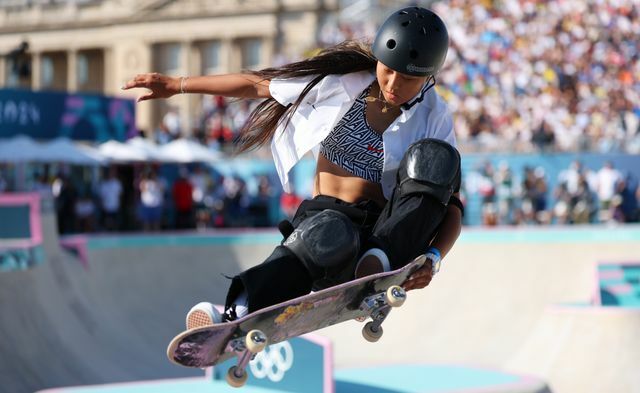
x=273, y=362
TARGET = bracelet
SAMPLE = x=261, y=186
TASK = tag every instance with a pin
x=183, y=79
x=434, y=251
x=433, y=254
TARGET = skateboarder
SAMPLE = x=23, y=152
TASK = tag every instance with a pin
x=387, y=175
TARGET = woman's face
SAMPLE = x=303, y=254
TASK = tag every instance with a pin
x=396, y=87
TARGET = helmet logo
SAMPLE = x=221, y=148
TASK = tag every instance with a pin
x=415, y=68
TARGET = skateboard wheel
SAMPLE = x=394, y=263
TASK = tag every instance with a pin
x=234, y=380
x=256, y=341
x=396, y=296
x=371, y=333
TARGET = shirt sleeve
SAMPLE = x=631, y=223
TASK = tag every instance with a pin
x=287, y=91
x=440, y=124
x=442, y=128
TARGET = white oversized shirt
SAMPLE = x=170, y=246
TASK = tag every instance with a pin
x=328, y=101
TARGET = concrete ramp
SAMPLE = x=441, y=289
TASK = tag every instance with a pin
x=66, y=323
x=491, y=297
x=584, y=349
x=108, y=319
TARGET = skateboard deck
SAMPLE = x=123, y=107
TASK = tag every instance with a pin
x=370, y=296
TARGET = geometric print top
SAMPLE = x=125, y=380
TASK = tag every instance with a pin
x=353, y=145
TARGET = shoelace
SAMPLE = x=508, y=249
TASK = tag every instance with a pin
x=230, y=314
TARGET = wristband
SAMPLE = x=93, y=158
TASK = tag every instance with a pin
x=433, y=254
x=182, y=80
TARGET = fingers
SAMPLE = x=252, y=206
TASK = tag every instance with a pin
x=141, y=80
x=135, y=82
x=156, y=83
x=418, y=280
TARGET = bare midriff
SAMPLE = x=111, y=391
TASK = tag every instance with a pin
x=332, y=180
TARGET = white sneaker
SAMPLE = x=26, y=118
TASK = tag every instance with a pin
x=203, y=314
x=372, y=262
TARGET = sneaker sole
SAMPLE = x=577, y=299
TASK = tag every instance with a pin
x=198, y=319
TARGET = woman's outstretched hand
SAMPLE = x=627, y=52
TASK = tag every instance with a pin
x=161, y=86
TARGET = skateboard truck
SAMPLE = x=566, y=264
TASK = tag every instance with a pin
x=246, y=349
x=379, y=306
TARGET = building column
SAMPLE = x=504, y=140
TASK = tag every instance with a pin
x=111, y=86
x=187, y=110
x=230, y=56
x=72, y=77
x=36, y=70
x=3, y=71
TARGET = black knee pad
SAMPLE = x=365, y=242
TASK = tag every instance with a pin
x=323, y=241
x=432, y=167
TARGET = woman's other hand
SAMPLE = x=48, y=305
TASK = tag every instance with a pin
x=160, y=86
x=420, y=278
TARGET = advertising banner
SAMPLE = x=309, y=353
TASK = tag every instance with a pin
x=48, y=115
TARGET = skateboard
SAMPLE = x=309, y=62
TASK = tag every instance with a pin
x=367, y=297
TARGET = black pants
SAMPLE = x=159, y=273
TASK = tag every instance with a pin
x=403, y=230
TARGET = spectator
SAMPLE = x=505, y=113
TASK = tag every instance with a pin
x=487, y=190
x=543, y=137
x=162, y=135
x=236, y=202
x=583, y=203
x=110, y=193
x=505, y=194
x=213, y=214
x=171, y=123
x=289, y=203
x=220, y=134
x=627, y=195
x=259, y=208
x=200, y=181
x=151, y=201
x=562, y=206
x=239, y=113
x=571, y=176
x=183, y=200
x=607, y=179
x=85, y=210
x=65, y=195
x=534, y=198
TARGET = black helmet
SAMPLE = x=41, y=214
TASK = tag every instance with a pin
x=412, y=41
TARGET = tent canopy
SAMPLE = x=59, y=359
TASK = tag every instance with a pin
x=23, y=149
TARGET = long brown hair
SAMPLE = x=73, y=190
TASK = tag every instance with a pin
x=344, y=58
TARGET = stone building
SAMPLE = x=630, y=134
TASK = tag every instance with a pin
x=96, y=45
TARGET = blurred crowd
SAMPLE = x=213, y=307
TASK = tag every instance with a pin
x=526, y=75
x=196, y=197
x=580, y=195
x=520, y=76
x=193, y=198
x=217, y=127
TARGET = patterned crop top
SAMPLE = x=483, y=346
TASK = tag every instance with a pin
x=354, y=145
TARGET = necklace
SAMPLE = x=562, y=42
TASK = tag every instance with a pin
x=380, y=99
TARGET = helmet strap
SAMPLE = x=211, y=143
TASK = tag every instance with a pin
x=427, y=86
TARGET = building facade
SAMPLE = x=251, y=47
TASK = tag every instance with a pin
x=97, y=45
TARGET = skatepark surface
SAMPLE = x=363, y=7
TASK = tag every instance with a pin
x=516, y=300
